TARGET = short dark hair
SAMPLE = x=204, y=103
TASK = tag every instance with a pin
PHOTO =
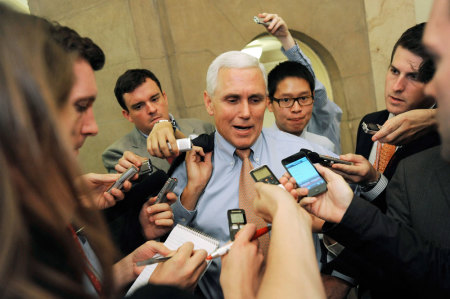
x=411, y=40
x=288, y=69
x=129, y=81
x=72, y=42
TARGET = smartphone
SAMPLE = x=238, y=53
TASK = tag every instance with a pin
x=370, y=128
x=322, y=159
x=146, y=167
x=128, y=174
x=260, y=21
x=304, y=172
x=236, y=221
x=264, y=174
x=168, y=187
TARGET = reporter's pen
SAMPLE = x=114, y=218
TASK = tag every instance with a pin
x=224, y=249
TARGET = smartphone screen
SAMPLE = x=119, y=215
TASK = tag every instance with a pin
x=305, y=174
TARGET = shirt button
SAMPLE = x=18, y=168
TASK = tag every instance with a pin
x=183, y=219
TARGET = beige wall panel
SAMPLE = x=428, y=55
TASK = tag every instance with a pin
x=147, y=28
x=214, y=25
x=358, y=91
x=59, y=9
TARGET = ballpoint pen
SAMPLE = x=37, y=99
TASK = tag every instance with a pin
x=224, y=249
x=153, y=260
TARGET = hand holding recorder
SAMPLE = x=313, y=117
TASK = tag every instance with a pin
x=156, y=216
x=97, y=185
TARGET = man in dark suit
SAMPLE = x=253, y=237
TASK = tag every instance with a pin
x=144, y=103
x=410, y=68
x=411, y=252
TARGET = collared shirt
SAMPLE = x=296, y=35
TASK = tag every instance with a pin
x=326, y=115
x=313, y=138
x=222, y=191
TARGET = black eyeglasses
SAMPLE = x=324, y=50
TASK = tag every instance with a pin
x=289, y=102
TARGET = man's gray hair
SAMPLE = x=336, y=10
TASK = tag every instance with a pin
x=233, y=60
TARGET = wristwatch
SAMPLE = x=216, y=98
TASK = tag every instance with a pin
x=366, y=187
x=174, y=126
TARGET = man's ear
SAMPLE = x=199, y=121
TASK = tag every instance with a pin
x=269, y=105
x=126, y=114
x=208, y=103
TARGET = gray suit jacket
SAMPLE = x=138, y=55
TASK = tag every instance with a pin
x=137, y=143
x=419, y=195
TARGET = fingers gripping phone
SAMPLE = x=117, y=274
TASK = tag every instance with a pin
x=322, y=159
x=370, y=128
x=128, y=174
x=260, y=21
x=304, y=172
x=236, y=221
x=168, y=187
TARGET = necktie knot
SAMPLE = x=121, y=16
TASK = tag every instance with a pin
x=243, y=153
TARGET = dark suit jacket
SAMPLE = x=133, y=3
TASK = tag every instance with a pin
x=419, y=195
x=395, y=259
x=364, y=145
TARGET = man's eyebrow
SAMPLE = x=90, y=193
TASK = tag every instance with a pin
x=232, y=95
x=155, y=95
x=257, y=95
x=137, y=104
x=287, y=94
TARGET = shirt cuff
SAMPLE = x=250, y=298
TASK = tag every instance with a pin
x=181, y=214
x=375, y=191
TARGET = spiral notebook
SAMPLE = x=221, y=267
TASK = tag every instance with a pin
x=179, y=235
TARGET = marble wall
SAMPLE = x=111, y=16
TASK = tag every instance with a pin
x=178, y=40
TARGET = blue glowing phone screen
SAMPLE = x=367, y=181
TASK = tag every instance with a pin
x=304, y=173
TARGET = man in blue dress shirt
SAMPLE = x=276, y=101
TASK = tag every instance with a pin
x=208, y=183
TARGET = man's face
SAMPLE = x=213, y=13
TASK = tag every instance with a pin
x=403, y=91
x=77, y=117
x=437, y=41
x=238, y=105
x=292, y=120
x=146, y=105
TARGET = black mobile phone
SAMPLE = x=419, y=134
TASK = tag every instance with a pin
x=128, y=174
x=168, y=187
x=370, y=128
x=236, y=221
x=304, y=172
x=322, y=159
x=264, y=174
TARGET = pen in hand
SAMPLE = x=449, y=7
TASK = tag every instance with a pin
x=224, y=249
x=153, y=260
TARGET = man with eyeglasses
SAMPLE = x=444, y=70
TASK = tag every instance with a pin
x=291, y=99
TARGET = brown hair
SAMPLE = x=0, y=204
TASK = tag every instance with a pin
x=39, y=199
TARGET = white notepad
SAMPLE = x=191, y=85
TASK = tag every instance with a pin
x=179, y=235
